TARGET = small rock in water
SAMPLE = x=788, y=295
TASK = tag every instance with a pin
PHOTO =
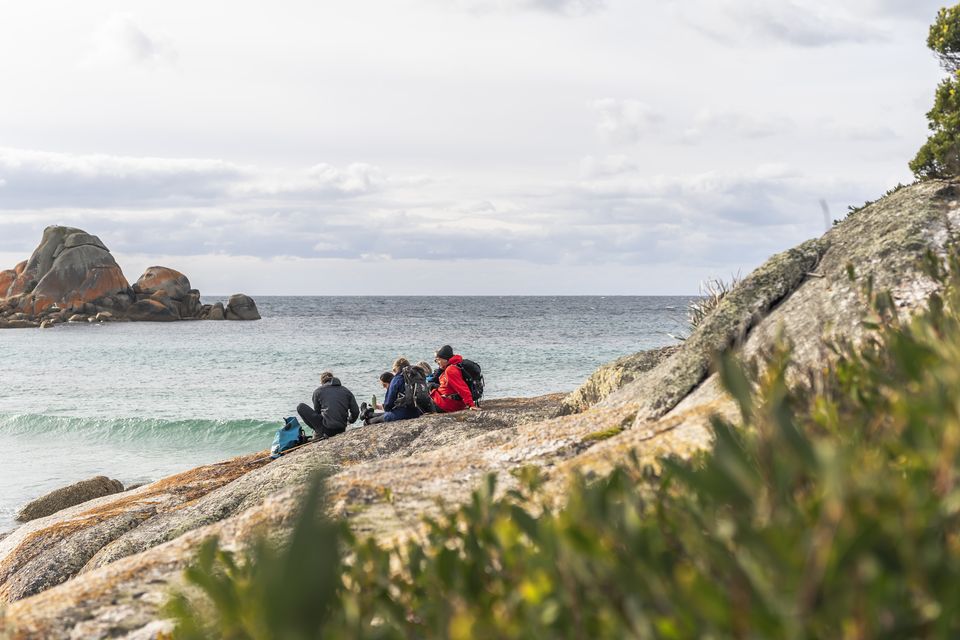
x=74, y=494
x=241, y=307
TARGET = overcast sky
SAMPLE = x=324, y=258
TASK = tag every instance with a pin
x=453, y=146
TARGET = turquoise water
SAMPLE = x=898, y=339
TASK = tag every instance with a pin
x=140, y=401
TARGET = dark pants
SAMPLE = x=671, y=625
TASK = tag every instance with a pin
x=315, y=421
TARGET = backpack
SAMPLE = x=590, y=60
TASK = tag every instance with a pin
x=473, y=376
x=415, y=392
x=288, y=436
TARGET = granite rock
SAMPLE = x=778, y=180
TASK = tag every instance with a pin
x=75, y=494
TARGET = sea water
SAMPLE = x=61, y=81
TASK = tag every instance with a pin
x=138, y=401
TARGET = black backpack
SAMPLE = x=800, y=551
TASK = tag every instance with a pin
x=473, y=376
x=415, y=392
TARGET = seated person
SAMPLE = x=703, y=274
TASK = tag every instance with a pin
x=367, y=412
x=334, y=407
x=395, y=389
x=452, y=393
x=429, y=374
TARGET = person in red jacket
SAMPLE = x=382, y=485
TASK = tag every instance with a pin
x=453, y=394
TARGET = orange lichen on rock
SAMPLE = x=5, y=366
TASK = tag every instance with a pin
x=164, y=281
x=22, y=570
x=100, y=282
x=7, y=278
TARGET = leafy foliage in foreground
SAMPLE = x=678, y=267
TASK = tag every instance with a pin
x=832, y=511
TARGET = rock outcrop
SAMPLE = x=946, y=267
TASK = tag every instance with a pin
x=150, y=310
x=69, y=268
x=103, y=568
x=164, y=281
x=69, y=496
x=72, y=273
x=241, y=307
x=613, y=376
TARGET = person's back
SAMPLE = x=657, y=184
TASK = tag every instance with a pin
x=334, y=407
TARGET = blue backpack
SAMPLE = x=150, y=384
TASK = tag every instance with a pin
x=288, y=436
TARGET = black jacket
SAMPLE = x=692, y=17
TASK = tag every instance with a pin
x=336, y=404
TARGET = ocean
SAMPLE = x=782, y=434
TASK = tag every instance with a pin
x=139, y=401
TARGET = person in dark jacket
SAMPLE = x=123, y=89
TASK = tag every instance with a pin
x=368, y=412
x=397, y=386
x=334, y=407
x=452, y=394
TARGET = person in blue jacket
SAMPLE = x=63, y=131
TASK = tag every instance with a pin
x=390, y=412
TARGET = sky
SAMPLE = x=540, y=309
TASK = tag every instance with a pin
x=454, y=147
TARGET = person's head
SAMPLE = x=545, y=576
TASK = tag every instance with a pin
x=425, y=367
x=386, y=378
x=399, y=364
x=443, y=355
x=326, y=377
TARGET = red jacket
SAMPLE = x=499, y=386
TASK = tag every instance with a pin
x=452, y=382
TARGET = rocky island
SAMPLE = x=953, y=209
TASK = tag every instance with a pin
x=103, y=568
x=72, y=277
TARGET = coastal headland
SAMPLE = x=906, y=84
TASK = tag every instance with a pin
x=104, y=568
x=72, y=277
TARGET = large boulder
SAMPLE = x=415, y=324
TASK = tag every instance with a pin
x=241, y=307
x=216, y=312
x=69, y=496
x=189, y=306
x=7, y=278
x=152, y=310
x=613, y=376
x=72, y=271
x=70, y=267
x=169, y=282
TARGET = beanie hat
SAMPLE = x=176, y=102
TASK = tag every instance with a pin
x=445, y=352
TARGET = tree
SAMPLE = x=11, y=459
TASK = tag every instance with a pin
x=939, y=157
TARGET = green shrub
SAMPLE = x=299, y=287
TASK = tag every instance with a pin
x=939, y=157
x=830, y=510
x=278, y=591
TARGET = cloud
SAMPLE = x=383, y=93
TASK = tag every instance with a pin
x=925, y=10
x=711, y=123
x=557, y=7
x=861, y=132
x=41, y=179
x=592, y=167
x=746, y=22
x=612, y=214
x=768, y=196
x=323, y=180
x=121, y=40
x=624, y=121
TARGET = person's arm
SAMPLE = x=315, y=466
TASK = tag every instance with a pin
x=354, y=409
x=317, y=406
x=459, y=386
